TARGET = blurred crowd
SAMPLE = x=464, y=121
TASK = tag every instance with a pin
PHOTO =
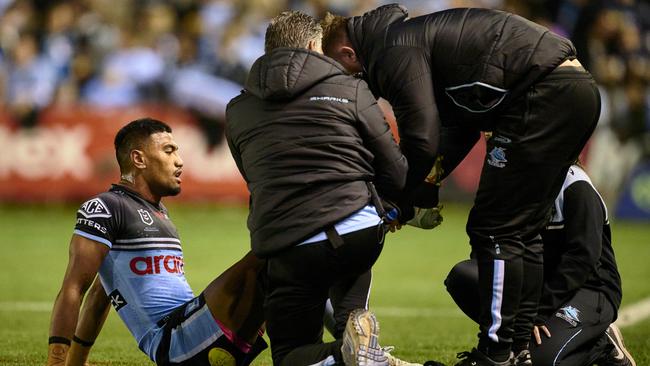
x=196, y=53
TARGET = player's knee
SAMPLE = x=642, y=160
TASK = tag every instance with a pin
x=462, y=283
x=462, y=276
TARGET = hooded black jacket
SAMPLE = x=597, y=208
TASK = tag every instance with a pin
x=307, y=138
x=450, y=68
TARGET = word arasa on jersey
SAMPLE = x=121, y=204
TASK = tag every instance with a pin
x=155, y=264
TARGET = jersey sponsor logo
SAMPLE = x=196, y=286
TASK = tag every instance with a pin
x=94, y=208
x=117, y=300
x=497, y=157
x=570, y=314
x=95, y=225
x=145, y=216
x=327, y=98
x=157, y=264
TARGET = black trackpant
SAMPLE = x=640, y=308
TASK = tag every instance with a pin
x=301, y=279
x=572, y=343
x=534, y=142
x=348, y=296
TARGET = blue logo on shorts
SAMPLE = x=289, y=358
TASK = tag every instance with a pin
x=497, y=157
x=570, y=314
x=191, y=306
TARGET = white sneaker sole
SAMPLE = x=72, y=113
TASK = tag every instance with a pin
x=362, y=324
x=617, y=339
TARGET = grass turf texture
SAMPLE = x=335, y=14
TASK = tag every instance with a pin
x=416, y=314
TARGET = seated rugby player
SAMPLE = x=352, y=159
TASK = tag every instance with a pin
x=126, y=236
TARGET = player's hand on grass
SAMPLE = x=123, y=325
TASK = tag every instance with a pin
x=60, y=354
x=56, y=354
x=537, y=333
x=426, y=218
x=78, y=355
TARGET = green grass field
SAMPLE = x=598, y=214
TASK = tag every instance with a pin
x=416, y=314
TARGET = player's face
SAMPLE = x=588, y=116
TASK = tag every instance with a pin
x=164, y=165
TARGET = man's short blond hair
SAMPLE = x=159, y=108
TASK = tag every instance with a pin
x=292, y=29
x=334, y=31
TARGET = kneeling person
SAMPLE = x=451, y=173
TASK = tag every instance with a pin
x=582, y=286
x=312, y=144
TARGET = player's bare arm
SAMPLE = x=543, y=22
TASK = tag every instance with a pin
x=85, y=257
x=91, y=320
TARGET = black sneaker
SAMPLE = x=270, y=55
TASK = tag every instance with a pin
x=477, y=358
x=618, y=356
x=523, y=358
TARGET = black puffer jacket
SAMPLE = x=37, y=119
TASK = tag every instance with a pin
x=450, y=68
x=307, y=138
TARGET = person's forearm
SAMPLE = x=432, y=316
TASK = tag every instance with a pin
x=91, y=320
x=85, y=258
x=93, y=313
x=455, y=144
x=65, y=313
x=64, y=319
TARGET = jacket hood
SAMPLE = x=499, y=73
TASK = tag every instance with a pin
x=284, y=73
x=367, y=32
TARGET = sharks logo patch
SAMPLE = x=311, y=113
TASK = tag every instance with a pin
x=569, y=314
x=497, y=157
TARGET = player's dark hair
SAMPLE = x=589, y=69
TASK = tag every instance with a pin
x=133, y=135
x=334, y=31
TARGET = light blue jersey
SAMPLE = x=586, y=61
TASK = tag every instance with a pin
x=143, y=271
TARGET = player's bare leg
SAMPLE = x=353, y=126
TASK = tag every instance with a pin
x=235, y=298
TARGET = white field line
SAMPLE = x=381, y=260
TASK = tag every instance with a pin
x=634, y=313
x=397, y=312
x=433, y=312
x=629, y=315
x=28, y=306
